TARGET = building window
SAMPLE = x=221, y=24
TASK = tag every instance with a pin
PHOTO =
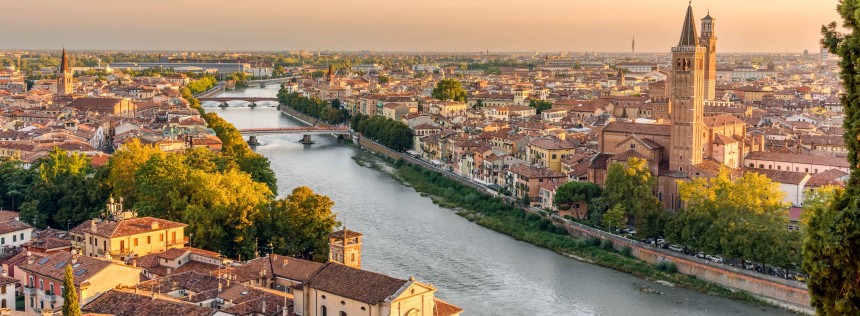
x=14, y=238
x=41, y=284
x=148, y=240
x=160, y=237
x=342, y=313
x=51, y=287
x=135, y=242
x=22, y=236
x=324, y=311
x=31, y=281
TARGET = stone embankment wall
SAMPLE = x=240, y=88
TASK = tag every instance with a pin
x=304, y=118
x=211, y=92
x=785, y=293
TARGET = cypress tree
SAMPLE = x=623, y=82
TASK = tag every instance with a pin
x=71, y=306
x=831, y=247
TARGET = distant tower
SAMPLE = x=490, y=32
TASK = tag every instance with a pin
x=709, y=40
x=64, y=77
x=345, y=248
x=330, y=74
x=687, y=98
x=620, y=80
x=633, y=45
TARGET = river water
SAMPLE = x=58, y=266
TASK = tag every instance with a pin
x=482, y=271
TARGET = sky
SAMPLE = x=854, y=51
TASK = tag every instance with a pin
x=407, y=25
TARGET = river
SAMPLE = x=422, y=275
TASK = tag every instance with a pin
x=480, y=270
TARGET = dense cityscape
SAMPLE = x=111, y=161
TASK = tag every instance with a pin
x=324, y=182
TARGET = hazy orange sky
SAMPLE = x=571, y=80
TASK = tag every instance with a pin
x=407, y=25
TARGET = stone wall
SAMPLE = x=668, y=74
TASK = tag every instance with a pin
x=785, y=293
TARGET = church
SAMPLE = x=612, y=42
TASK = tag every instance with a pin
x=685, y=143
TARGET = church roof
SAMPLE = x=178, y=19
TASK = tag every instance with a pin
x=689, y=36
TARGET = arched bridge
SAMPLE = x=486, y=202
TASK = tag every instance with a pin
x=309, y=130
x=225, y=99
x=306, y=132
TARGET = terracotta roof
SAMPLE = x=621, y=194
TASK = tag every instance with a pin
x=781, y=176
x=121, y=303
x=360, y=285
x=832, y=161
x=349, y=234
x=443, y=308
x=551, y=143
x=721, y=139
x=54, y=266
x=172, y=253
x=637, y=128
x=293, y=268
x=719, y=120
x=127, y=227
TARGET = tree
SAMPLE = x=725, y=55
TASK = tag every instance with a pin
x=615, y=218
x=299, y=225
x=830, y=249
x=449, y=89
x=744, y=217
x=71, y=306
x=632, y=185
x=540, y=105
x=572, y=192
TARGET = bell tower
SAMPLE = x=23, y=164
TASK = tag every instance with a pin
x=709, y=40
x=687, y=98
x=345, y=248
x=65, y=84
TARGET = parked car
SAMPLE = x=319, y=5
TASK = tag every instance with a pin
x=676, y=248
x=716, y=259
x=700, y=255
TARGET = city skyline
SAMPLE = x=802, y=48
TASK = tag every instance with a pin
x=380, y=25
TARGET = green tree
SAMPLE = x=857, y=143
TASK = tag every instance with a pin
x=572, y=192
x=15, y=182
x=744, y=217
x=449, y=89
x=615, y=218
x=830, y=249
x=299, y=225
x=540, y=105
x=71, y=306
x=631, y=184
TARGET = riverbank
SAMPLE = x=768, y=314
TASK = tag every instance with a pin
x=499, y=216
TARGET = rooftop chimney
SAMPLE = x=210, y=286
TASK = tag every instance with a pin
x=93, y=226
x=154, y=225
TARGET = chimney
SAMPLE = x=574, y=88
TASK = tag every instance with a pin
x=30, y=258
x=154, y=225
x=264, y=307
x=93, y=226
x=134, y=263
x=286, y=261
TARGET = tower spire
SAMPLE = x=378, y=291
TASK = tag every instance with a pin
x=64, y=63
x=689, y=36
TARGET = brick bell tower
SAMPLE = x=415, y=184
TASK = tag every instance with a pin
x=345, y=248
x=687, y=98
x=65, y=85
x=709, y=40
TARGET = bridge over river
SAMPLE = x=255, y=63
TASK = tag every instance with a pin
x=305, y=131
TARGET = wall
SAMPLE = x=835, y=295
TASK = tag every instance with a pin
x=785, y=293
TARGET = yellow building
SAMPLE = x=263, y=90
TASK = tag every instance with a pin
x=43, y=289
x=125, y=236
x=548, y=152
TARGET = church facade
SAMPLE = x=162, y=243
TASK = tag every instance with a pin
x=685, y=144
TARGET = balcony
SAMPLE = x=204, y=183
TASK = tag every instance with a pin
x=175, y=242
x=50, y=297
x=29, y=290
